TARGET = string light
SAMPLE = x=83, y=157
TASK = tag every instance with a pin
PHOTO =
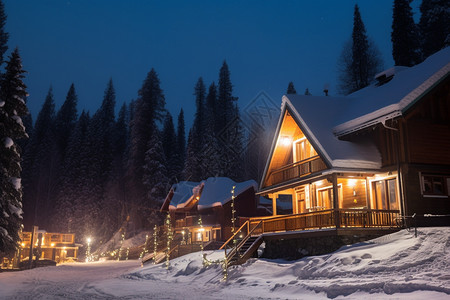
x=169, y=239
x=233, y=212
x=144, y=249
x=155, y=243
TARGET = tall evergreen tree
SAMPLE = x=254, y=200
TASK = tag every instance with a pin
x=71, y=197
x=101, y=156
x=230, y=134
x=181, y=146
x=148, y=110
x=434, y=26
x=12, y=109
x=360, y=60
x=39, y=164
x=155, y=173
x=65, y=121
x=291, y=88
x=211, y=153
x=169, y=144
x=195, y=167
x=404, y=36
x=4, y=36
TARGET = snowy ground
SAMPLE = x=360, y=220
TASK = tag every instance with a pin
x=397, y=266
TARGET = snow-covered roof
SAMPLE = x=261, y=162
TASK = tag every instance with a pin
x=376, y=103
x=317, y=115
x=182, y=192
x=214, y=191
x=217, y=191
x=323, y=119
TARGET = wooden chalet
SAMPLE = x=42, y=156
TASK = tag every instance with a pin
x=59, y=247
x=359, y=165
x=210, y=202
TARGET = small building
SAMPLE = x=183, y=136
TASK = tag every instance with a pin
x=59, y=247
x=202, y=211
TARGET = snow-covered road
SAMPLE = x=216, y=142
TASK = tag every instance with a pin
x=67, y=281
x=396, y=266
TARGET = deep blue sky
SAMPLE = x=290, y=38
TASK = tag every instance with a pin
x=265, y=43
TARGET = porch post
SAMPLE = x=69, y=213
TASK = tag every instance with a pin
x=336, y=202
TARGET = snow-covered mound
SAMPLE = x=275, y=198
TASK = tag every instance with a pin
x=397, y=264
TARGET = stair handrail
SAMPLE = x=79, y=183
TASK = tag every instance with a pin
x=245, y=239
x=236, y=232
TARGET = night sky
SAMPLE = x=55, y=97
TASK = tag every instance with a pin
x=265, y=43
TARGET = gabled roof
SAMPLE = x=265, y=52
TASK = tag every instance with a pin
x=317, y=116
x=374, y=104
x=214, y=191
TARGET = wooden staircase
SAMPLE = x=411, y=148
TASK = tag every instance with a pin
x=245, y=248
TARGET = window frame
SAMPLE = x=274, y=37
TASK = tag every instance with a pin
x=446, y=185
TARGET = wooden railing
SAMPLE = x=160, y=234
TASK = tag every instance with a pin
x=297, y=169
x=363, y=218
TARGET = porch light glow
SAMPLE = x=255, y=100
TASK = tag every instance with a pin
x=52, y=244
x=286, y=141
x=23, y=244
x=352, y=182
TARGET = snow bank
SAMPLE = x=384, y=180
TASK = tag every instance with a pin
x=396, y=266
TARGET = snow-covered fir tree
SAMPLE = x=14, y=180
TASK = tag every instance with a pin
x=12, y=109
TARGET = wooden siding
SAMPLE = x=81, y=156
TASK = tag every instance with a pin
x=354, y=193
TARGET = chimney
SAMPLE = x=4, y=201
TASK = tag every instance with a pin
x=325, y=89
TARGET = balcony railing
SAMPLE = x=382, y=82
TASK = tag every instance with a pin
x=297, y=169
x=190, y=221
x=362, y=218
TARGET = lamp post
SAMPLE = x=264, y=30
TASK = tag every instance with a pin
x=88, y=250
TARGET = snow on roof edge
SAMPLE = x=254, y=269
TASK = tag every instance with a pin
x=285, y=101
x=393, y=110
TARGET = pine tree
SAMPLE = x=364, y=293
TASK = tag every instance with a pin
x=181, y=146
x=71, y=197
x=359, y=61
x=230, y=134
x=211, y=151
x=434, y=26
x=404, y=36
x=12, y=108
x=101, y=150
x=39, y=164
x=65, y=121
x=169, y=144
x=307, y=93
x=291, y=88
x=149, y=109
x=4, y=36
x=155, y=175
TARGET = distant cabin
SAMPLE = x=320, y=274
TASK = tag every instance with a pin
x=202, y=212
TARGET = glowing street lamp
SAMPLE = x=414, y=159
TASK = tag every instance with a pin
x=88, y=250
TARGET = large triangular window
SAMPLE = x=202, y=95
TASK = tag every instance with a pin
x=293, y=155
